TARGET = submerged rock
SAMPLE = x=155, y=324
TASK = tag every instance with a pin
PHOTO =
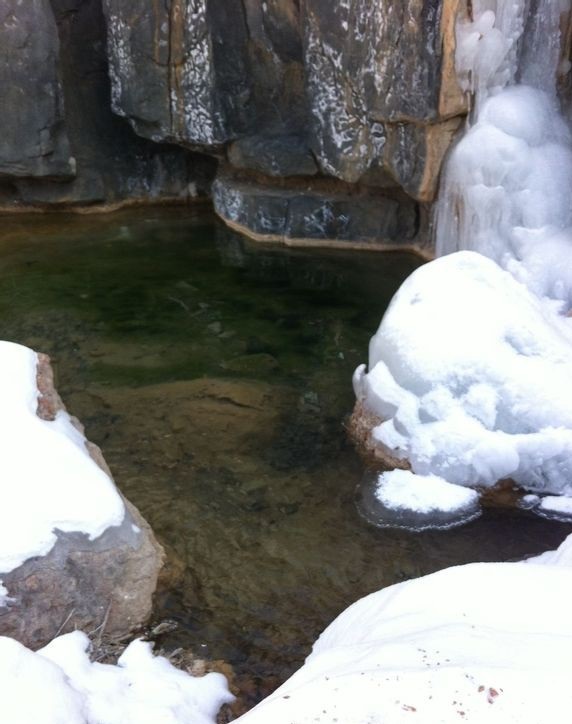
x=95, y=571
x=356, y=94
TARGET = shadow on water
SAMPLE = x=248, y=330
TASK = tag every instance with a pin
x=216, y=374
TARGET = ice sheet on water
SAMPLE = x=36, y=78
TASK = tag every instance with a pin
x=401, y=499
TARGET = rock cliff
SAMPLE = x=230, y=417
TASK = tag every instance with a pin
x=308, y=108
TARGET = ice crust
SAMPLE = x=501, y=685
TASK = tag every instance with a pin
x=59, y=685
x=465, y=644
x=49, y=481
x=506, y=192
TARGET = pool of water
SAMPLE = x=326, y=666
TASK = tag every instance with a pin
x=216, y=376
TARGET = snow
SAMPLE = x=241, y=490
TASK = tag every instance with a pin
x=475, y=391
x=403, y=490
x=49, y=482
x=59, y=685
x=558, y=505
x=472, y=365
x=402, y=499
x=467, y=644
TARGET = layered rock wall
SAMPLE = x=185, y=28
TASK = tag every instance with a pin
x=33, y=138
x=60, y=143
x=283, y=94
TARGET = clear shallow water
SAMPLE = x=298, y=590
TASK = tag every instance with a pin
x=216, y=374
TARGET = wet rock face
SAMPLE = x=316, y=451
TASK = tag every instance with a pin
x=110, y=162
x=320, y=212
x=380, y=83
x=104, y=586
x=361, y=92
x=200, y=73
x=33, y=138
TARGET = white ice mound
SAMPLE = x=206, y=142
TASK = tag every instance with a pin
x=48, y=480
x=403, y=490
x=59, y=685
x=471, y=374
x=506, y=191
x=402, y=499
x=466, y=644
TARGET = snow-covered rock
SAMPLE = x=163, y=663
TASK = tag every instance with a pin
x=60, y=685
x=470, y=379
x=73, y=552
x=469, y=644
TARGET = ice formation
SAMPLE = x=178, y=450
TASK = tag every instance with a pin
x=506, y=188
x=466, y=644
x=477, y=391
x=472, y=365
x=59, y=685
x=49, y=481
x=401, y=499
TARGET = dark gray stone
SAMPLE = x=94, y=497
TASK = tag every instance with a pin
x=373, y=65
x=113, y=164
x=33, y=139
x=319, y=213
x=179, y=69
x=201, y=73
x=364, y=93
x=274, y=156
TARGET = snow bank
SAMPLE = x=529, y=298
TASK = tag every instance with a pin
x=48, y=480
x=59, y=685
x=472, y=375
x=467, y=644
x=562, y=556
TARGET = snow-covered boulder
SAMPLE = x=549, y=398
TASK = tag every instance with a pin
x=485, y=643
x=73, y=552
x=470, y=380
x=60, y=685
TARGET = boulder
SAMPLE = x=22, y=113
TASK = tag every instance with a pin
x=98, y=583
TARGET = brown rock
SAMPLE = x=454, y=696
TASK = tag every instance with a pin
x=362, y=422
x=103, y=586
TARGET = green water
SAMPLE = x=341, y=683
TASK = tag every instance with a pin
x=216, y=376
